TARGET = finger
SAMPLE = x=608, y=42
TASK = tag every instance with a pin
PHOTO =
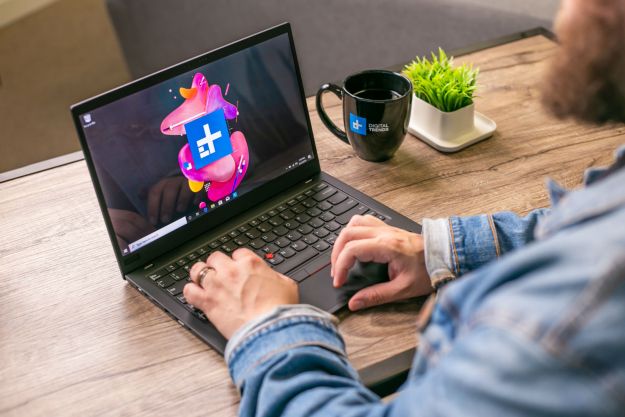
x=243, y=253
x=222, y=263
x=355, y=221
x=349, y=234
x=194, y=273
x=366, y=250
x=154, y=202
x=377, y=294
x=168, y=201
x=196, y=296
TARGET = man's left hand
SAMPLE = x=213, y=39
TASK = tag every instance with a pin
x=233, y=291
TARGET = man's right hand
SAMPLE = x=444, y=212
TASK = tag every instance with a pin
x=369, y=239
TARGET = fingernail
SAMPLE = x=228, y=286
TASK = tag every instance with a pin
x=358, y=305
x=332, y=272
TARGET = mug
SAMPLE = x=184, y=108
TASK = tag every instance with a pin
x=376, y=111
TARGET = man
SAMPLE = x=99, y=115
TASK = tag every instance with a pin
x=539, y=332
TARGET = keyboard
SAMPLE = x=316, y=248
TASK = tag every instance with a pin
x=292, y=233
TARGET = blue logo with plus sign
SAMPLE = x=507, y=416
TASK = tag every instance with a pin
x=209, y=138
x=358, y=124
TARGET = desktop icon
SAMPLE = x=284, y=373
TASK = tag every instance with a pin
x=227, y=198
x=235, y=194
x=87, y=118
x=220, y=202
x=213, y=206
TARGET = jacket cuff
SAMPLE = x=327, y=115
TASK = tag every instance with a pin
x=280, y=330
x=438, y=251
x=474, y=242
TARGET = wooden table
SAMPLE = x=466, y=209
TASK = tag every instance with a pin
x=76, y=340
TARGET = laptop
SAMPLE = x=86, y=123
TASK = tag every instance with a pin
x=214, y=154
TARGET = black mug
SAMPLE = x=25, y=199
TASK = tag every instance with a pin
x=376, y=111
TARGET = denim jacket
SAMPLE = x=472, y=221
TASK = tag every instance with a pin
x=540, y=332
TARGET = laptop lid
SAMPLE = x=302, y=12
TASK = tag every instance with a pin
x=179, y=152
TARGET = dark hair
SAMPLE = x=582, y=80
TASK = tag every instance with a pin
x=587, y=78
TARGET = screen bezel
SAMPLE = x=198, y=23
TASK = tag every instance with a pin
x=220, y=215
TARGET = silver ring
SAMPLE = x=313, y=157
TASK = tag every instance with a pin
x=202, y=274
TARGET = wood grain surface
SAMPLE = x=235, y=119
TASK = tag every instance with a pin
x=76, y=340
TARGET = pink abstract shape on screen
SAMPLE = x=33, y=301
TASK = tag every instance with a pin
x=206, y=99
x=240, y=155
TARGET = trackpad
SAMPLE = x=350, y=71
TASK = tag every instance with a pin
x=317, y=290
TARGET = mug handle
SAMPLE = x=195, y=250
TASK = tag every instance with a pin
x=322, y=113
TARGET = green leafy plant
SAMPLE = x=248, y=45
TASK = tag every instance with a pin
x=439, y=83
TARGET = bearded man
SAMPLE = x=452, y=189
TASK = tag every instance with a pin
x=537, y=332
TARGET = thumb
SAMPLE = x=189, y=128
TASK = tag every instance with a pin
x=377, y=294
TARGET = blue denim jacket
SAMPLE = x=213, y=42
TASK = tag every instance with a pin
x=540, y=332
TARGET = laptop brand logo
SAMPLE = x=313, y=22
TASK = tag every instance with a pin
x=209, y=138
x=358, y=124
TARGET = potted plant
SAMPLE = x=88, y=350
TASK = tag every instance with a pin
x=443, y=113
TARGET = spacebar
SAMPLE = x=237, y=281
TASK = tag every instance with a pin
x=296, y=260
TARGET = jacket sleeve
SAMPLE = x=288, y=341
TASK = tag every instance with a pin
x=455, y=246
x=297, y=366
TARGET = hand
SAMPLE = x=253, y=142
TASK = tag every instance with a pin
x=236, y=290
x=168, y=196
x=369, y=239
x=129, y=226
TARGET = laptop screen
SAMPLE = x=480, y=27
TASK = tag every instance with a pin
x=178, y=150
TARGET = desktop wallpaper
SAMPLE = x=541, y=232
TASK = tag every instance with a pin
x=179, y=149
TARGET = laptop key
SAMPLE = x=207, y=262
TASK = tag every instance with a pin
x=296, y=260
x=325, y=193
x=300, y=208
x=241, y=240
x=275, y=259
x=346, y=205
x=309, y=193
x=327, y=216
x=176, y=288
x=283, y=242
x=294, y=235
x=309, y=203
x=304, y=229
x=257, y=243
x=272, y=212
x=157, y=274
x=346, y=217
x=254, y=223
x=244, y=228
x=332, y=226
x=270, y=248
x=214, y=245
x=202, y=251
x=324, y=205
x=265, y=227
x=314, y=212
x=229, y=247
x=331, y=239
x=321, y=245
x=234, y=233
x=337, y=198
x=291, y=224
x=302, y=218
x=192, y=256
x=182, y=299
x=298, y=245
x=316, y=223
x=321, y=233
x=224, y=238
x=171, y=267
x=165, y=282
x=263, y=218
x=181, y=261
x=253, y=233
x=281, y=207
x=281, y=230
x=276, y=221
x=179, y=275
x=287, y=252
x=287, y=214
x=269, y=237
x=320, y=186
x=310, y=239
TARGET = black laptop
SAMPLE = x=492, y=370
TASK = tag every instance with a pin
x=214, y=154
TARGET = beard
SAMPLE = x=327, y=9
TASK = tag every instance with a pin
x=586, y=79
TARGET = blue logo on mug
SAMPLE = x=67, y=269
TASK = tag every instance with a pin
x=358, y=124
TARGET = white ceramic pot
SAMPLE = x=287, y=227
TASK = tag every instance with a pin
x=444, y=126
